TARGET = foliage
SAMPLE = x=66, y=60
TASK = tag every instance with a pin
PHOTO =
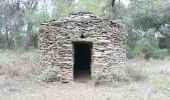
x=96, y=6
x=129, y=52
x=141, y=18
x=34, y=40
x=148, y=14
x=61, y=8
x=165, y=40
x=148, y=18
x=160, y=53
x=148, y=47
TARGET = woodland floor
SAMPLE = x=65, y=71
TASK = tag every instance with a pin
x=16, y=82
x=30, y=90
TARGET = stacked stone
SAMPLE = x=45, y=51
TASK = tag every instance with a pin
x=56, y=49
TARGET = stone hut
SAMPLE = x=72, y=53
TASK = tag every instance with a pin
x=82, y=46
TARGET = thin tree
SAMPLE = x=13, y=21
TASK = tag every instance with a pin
x=30, y=7
x=14, y=10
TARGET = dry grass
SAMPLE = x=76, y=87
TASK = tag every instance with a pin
x=18, y=64
x=155, y=71
x=150, y=81
x=25, y=65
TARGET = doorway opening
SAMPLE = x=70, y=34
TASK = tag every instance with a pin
x=82, y=60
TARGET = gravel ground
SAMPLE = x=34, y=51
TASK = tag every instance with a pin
x=31, y=90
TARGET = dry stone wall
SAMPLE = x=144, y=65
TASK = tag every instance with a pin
x=56, y=49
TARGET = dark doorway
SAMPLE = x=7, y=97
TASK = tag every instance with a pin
x=82, y=60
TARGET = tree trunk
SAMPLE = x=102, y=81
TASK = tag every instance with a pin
x=113, y=14
x=7, y=38
x=7, y=45
x=28, y=35
x=13, y=34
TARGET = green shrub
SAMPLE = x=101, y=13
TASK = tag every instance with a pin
x=143, y=49
x=129, y=52
x=138, y=53
x=147, y=47
x=34, y=40
x=160, y=53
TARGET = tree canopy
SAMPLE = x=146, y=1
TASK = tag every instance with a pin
x=20, y=20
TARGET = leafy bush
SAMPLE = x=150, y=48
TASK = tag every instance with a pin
x=165, y=40
x=147, y=47
x=34, y=40
x=138, y=53
x=129, y=53
x=143, y=49
x=160, y=53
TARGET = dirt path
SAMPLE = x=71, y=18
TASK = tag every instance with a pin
x=29, y=90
